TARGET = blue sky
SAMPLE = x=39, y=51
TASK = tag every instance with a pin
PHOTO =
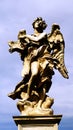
x=19, y=14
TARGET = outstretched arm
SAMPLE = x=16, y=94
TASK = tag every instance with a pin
x=36, y=39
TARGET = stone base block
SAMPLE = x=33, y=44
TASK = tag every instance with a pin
x=37, y=122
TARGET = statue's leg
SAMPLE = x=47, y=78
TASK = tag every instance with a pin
x=33, y=78
x=42, y=95
x=26, y=68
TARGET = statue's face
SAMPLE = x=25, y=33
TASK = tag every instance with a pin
x=36, y=25
x=40, y=24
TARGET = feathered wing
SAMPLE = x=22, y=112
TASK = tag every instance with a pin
x=57, y=46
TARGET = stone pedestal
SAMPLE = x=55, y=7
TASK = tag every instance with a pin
x=37, y=122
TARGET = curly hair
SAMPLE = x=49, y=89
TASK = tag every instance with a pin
x=41, y=24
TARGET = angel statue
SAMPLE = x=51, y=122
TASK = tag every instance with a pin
x=41, y=53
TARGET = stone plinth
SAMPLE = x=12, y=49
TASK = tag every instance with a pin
x=37, y=122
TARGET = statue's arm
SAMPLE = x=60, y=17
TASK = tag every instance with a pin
x=36, y=39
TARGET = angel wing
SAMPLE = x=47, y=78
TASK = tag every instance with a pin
x=57, y=46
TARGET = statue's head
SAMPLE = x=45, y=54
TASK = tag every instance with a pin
x=39, y=24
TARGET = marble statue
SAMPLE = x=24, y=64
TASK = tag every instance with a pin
x=40, y=53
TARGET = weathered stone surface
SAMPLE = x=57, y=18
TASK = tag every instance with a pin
x=37, y=122
x=41, y=53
